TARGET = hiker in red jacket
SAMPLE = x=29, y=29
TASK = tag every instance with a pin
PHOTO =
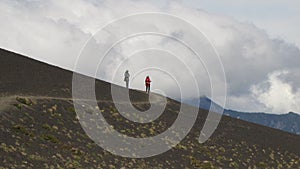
x=147, y=83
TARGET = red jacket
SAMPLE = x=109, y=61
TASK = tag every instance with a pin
x=147, y=81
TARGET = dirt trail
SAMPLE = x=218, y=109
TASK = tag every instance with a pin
x=6, y=101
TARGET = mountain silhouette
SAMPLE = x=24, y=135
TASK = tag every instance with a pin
x=289, y=122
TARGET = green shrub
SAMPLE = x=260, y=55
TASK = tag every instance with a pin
x=50, y=138
x=25, y=101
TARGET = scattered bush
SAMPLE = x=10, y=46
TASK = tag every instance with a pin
x=50, y=138
x=25, y=101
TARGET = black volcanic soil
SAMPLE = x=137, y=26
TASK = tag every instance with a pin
x=39, y=128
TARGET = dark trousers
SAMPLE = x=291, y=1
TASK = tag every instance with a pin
x=147, y=88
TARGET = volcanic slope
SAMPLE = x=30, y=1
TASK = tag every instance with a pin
x=39, y=128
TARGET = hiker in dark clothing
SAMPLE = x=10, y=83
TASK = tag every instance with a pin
x=126, y=78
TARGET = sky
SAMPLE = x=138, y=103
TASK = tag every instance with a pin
x=257, y=42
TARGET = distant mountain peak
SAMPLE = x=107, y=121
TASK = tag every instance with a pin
x=293, y=114
x=287, y=122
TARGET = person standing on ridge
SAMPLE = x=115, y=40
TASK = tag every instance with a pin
x=126, y=78
x=147, y=83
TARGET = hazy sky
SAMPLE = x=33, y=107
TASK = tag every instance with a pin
x=258, y=42
x=279, y=18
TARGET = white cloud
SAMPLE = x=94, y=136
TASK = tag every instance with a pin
x=55, y=32
x=29, y=31
x=276, y=94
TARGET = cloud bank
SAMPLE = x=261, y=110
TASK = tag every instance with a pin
x=276, y=94
x=262, y=73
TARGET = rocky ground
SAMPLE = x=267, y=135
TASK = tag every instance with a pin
x=44, y=132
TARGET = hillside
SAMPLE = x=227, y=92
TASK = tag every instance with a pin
x=289, y=122
x=39, y=128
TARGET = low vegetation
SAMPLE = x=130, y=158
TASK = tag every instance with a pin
x=46, y=133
